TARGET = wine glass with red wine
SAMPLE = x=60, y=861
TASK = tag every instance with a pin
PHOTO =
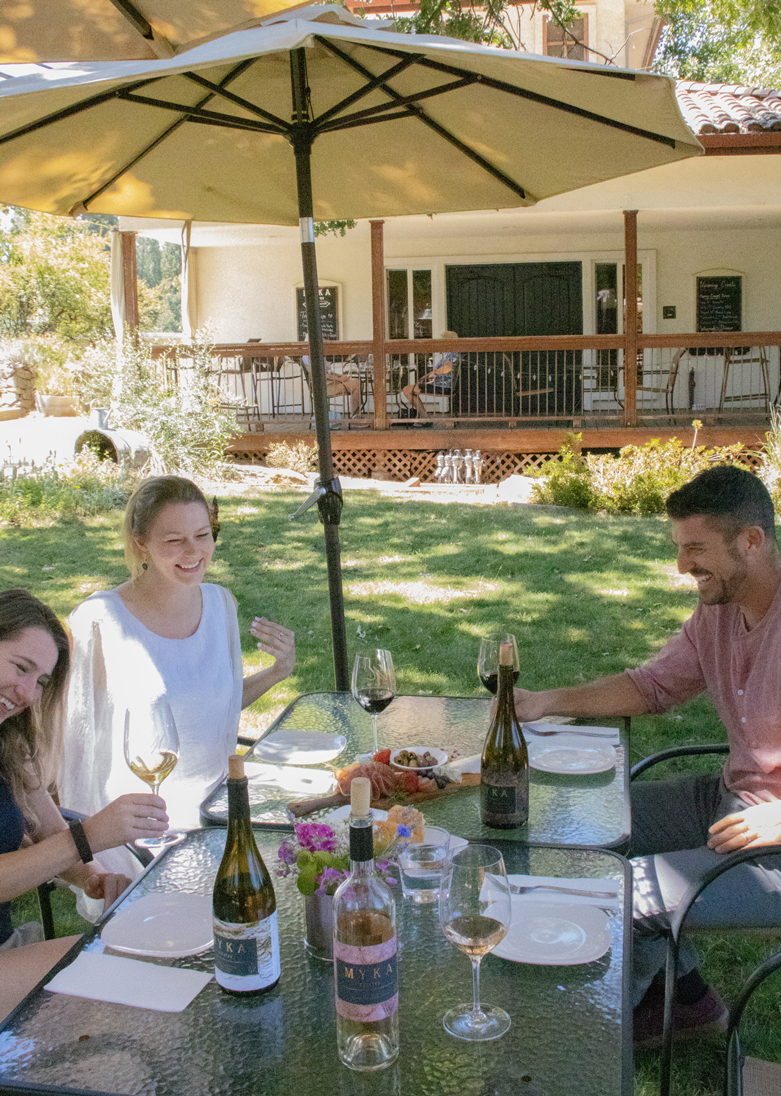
x=488, y=660
x=374, y=684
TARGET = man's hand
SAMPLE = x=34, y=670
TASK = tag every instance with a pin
x=528, y=705
x=754, y=826
x=106, y=885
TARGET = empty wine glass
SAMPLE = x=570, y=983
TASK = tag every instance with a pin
x=374, y=684
x=475, y=913
x=151, y=752
x=488, y=660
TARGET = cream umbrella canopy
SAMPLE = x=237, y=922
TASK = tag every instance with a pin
x=318, y=114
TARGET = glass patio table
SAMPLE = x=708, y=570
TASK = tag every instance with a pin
x=570, y=1024
x=563, y=809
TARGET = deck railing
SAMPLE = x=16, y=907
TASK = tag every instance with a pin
x=718, y=377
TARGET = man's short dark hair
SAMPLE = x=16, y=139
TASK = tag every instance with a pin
x=732, y=497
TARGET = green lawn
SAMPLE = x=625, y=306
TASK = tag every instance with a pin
x=585, y=596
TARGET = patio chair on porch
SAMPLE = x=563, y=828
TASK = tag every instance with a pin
x=740, y=359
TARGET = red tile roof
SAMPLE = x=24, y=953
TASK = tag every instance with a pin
x=729, y=108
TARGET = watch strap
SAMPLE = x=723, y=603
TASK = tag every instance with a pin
x=80, y=840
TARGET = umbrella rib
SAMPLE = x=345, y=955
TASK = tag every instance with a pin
x=237, y=71
x=417, y=112
x=237, y=99
x=213, y=117
x=535, y=97
x=374, y=83
x=364, y=117
x=135, y=18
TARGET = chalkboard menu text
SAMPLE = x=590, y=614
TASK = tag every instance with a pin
x=719, y=302
x=329, y=312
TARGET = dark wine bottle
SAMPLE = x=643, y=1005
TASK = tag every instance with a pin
x=246, y=941
x=504, y=768
x=367, y=996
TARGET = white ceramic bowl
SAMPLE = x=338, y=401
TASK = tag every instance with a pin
x=440, y=755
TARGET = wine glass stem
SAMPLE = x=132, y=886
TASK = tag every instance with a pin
x=476, y=1010
x=374, y=726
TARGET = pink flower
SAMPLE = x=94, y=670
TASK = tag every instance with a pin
x=330, y=875
x=315, y=836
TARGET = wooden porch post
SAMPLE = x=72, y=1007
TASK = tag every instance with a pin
x=630, y=317
x=130, y=278
x=378, y=326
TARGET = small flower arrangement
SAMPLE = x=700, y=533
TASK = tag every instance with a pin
x=318, y=855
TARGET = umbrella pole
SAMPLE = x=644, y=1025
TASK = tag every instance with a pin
x=328, y=493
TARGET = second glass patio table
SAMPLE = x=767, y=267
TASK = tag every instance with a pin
x=590, y=810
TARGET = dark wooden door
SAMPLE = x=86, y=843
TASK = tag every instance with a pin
x=493, y=299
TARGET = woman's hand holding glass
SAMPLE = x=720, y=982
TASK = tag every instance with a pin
x=475, y=912
x=151, y=752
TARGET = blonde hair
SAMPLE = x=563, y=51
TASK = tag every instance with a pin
x=31, y=740
x=145, y=505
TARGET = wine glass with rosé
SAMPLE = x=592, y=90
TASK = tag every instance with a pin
x=151, y=753
x=475, y=912
x=374, y=684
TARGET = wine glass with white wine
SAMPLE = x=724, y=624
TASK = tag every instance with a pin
x=374, y=684
x=151, y=752
x=475, y=913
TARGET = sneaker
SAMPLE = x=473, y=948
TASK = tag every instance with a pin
x=707, y=1015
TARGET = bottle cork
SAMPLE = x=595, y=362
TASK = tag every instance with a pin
x=360, y=796
x=236, y=767
x=506, y=654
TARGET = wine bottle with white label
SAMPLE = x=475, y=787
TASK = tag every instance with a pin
x=246, y=941
x=364, y=913
x=504, y=768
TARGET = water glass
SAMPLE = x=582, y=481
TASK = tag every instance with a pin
x=421, y=867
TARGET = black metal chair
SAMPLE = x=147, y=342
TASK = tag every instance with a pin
x=746, y=1076
x=678, y=919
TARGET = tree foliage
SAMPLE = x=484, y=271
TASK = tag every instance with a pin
x=723, y=41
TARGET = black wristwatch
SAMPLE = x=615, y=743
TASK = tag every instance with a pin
x=80, y=840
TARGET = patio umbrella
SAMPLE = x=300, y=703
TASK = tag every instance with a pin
x=320, y=114
x=119, y=30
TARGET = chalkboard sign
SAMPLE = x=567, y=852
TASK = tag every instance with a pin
x=719, y=302
x=329, y=312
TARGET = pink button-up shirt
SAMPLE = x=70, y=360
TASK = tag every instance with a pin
x=741, y=670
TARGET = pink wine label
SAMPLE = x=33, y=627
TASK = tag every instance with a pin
x=366, y=981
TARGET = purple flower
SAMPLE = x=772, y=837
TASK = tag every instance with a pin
x=329, y=875
x=404, y=831
x=316, y=836
x=286, y=853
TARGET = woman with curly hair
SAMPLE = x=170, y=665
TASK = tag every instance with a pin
x=36, y=844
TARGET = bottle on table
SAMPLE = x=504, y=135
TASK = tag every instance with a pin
x=504, y=768
x=246, y=940
x=364, y=917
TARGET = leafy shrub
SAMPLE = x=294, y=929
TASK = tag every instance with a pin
x=638, y=481
x=175, y=400
x=79, y=488
x=301, y=457
x=770, y=468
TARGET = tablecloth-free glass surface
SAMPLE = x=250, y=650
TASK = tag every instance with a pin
x=566, y=810
x=566, y=1035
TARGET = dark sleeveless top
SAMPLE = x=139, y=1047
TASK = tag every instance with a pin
x=11, y=833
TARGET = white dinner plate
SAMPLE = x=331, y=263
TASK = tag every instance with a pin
x=554, y=934
x=568, y=753
x=341, y=814
x=299, y=747
x=167, y=926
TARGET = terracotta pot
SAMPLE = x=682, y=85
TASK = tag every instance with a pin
x=318, y=940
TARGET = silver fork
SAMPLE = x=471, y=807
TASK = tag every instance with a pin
x=516, y=888
x=567, y=730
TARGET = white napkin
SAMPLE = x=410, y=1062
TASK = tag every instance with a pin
x=289, y=779
x=129, y=982
x=608, y=736
x=542, y=894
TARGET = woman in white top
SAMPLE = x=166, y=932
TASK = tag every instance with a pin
x=164, y=633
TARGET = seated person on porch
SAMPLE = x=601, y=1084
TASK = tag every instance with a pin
x=36, y=844
x=341, y=384
x=724, y=529
x=439, y=382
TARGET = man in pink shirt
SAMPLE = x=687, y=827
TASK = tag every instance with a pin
x=723, y=526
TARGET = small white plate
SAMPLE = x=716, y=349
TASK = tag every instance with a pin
x=167, y=926
x=440, y=755
x=299, y=747
x=341, y=814
x=568, y=753
x=554, y=934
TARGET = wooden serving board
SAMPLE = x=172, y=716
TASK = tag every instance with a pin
x=308, y=806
